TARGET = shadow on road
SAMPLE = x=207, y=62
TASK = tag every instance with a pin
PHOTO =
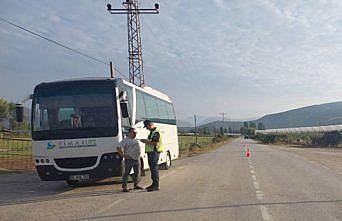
x=61, y=197
x=209, y=207
x=26, y=188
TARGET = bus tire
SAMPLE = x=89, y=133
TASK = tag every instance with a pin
x=167, y=164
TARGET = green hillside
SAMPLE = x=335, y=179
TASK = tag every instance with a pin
x=315, y=115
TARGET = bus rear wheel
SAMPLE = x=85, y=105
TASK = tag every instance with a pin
x=167, y=164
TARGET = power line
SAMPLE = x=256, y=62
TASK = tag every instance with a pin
x=59, y=44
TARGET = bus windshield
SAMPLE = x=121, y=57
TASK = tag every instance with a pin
x=74, y=110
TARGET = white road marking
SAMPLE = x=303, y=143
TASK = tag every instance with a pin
x=109, y=206
x=256, y=185
x=265, y=215
x=259, y=194
x=260, y=197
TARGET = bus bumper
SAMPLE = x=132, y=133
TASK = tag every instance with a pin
x=109, y=166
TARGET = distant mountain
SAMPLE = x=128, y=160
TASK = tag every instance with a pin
x=200, y=120
x=234, y=125
x=183, y=123
x=315, y=115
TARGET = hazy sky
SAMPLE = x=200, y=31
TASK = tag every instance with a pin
x=244, y=57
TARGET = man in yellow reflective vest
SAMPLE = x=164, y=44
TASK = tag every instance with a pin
x=153, y=147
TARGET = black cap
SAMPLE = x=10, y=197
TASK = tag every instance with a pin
x=147, y=122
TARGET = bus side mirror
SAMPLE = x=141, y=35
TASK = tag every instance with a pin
x=124, y=109
x=123, y=104
x=19, y=113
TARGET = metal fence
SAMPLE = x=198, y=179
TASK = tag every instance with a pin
x=15, y=153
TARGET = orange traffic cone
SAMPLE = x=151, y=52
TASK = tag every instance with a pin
x=248, y=153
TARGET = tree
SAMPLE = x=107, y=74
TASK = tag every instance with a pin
x=261, y=126
x=4, y=109
x=206, y=131
x=245, y=124
x=7, y=112
x=221, y=131
x=252, y=124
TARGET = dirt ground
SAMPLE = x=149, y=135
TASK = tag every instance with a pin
x=328, y=157
x=21, y=163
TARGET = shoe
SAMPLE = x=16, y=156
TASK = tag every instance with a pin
x=125, y=190
x=138, y=187
x=150, y=186
x=153, y=188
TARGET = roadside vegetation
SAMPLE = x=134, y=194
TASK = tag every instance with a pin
x=8, y=122
x=189, y=147
x=322, y=139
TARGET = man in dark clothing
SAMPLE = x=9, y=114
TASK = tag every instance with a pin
x=153, y=148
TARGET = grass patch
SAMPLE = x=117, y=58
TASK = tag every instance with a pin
x=186, y=141
x=188, y=146
x=15, y=147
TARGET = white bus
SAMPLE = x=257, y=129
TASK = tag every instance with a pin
x=77, y=125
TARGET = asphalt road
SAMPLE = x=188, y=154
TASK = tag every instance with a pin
x=224, y=184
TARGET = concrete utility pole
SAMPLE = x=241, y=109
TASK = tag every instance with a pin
x=223, y=116
x=131, y=9
x=195, y=127
x=111, y=69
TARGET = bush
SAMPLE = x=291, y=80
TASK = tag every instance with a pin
x=219, y=138
x=266, y=138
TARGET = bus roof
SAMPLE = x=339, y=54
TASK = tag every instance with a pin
x=145, y=89
x=150, y=91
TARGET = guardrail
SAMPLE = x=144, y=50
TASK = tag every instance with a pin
x=15, y=153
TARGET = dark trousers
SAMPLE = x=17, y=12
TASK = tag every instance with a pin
x=153, y=158
x=129, y=164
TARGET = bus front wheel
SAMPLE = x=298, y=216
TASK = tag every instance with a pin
x=167, y=164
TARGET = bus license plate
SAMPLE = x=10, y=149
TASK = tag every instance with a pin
x=80, y=177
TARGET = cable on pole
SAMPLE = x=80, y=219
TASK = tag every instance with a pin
x=59, y=44
x=132, y=10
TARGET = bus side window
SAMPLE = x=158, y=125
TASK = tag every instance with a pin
x=141, y=107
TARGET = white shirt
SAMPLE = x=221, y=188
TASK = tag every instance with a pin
x=130, y=147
